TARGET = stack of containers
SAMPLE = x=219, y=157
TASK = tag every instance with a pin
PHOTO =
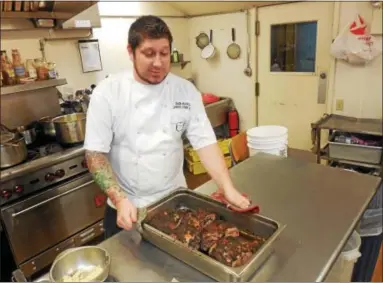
x=268, y=139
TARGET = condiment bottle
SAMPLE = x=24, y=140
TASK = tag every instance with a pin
x=175, y=56
x=41, y=69
x=7, y=71
x=52, y=74
x=31, y=69
x=18, y=65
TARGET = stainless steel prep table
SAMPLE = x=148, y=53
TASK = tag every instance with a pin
x=320, y=206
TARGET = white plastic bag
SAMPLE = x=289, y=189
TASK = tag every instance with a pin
x=355, y=44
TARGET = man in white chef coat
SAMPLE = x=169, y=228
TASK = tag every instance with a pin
x=134, y=125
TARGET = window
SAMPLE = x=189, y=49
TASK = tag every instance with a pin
x=293, y=47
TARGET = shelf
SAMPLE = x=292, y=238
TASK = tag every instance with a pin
x=324, y=155
x=352, y=125
x=182, y=64
x=6, y=90
x=36, y=15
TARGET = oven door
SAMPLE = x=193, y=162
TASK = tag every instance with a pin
x=44, y=220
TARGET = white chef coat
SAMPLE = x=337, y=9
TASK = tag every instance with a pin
x=140, y=126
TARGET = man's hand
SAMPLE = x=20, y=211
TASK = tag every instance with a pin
x=234, y=197
x=126, y=214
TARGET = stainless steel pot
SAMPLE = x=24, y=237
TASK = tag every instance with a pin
x=48, y=126
x=83, y=264
x=70, y=128
x=13, y=151
x=28, y=132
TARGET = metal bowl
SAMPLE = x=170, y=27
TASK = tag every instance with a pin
x=90, y=263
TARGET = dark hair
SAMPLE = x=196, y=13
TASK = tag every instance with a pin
x=151, y=27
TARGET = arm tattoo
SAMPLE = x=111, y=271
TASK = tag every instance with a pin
x=100, y=168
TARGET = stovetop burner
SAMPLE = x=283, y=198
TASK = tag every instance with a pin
x=43, y=150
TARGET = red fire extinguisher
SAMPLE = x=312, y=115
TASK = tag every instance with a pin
x=233, y=122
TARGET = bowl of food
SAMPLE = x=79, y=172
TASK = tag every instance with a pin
x=83, y=264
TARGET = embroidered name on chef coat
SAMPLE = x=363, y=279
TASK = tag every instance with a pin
x=181, y=105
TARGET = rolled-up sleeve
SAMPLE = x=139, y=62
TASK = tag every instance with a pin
x=199, y=130
x=99, y=132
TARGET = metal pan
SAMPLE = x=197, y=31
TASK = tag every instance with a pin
x=233, y=50
x=202, y=40
x=209, y=50
x=252, y=223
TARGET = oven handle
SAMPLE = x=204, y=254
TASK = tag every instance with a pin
x=50, y=199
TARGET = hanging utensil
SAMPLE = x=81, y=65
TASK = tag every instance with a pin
x=233, y=50
x=202, y=40
x=209, y=50
x=248, y=71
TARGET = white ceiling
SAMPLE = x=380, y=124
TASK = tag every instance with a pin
x=207, y=7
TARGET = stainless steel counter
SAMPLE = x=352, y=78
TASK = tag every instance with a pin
x=320, y=206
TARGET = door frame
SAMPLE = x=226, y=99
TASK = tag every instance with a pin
x=332, y=69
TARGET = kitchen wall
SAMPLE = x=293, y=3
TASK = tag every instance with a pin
x=220, y=75
x=113, y=41
x=359, y=86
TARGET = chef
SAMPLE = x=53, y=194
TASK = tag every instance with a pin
x=135, y=122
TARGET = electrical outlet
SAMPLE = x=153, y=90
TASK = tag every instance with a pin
x=339, y=105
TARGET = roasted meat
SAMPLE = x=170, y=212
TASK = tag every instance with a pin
x=203, y=230
x=189, y=231
x=206, y=217
x=167, y=221
x=215, y=231
x=232, y=251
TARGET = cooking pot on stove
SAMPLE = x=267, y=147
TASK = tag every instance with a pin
x=70, y=128
x=13, y=149
x=29, y=132
x=48, y=126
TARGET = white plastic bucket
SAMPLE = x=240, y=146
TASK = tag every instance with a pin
x=280, y=151
x=266, y=146
x=267, y=133
x=344, y=265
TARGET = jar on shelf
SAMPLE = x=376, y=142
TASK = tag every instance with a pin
x=31, y=69
x=52, y=74
x=41, y=69
x=9, y=77
x=18, y=65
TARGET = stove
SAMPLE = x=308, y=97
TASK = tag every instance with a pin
x=46, y=165
x=49, y=203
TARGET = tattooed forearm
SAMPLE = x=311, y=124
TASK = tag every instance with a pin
x=100, y=168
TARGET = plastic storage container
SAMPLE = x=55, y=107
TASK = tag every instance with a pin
x=344, y=265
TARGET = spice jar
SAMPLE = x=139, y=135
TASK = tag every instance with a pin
x=7, y=71
x=41, y=69
x=31, y=70
x=52, y=74
x=18, y=65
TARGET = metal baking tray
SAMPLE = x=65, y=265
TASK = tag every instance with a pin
x=253, y=223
